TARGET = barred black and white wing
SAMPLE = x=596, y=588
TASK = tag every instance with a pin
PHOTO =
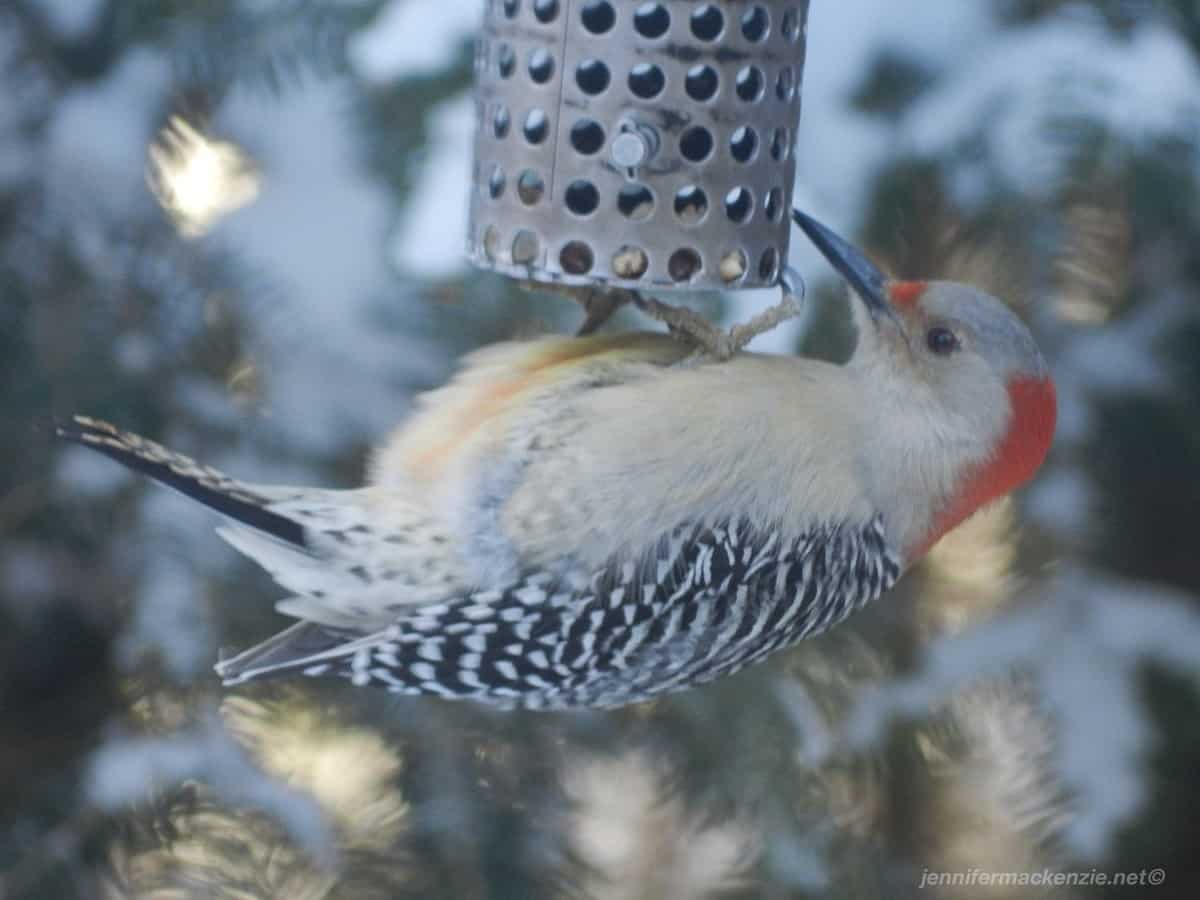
x=709, y=601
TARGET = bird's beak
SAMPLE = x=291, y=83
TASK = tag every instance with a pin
x=867, y=281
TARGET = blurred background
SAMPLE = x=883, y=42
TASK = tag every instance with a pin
x=236, y=226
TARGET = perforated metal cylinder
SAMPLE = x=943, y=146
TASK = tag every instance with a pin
x=636, y=143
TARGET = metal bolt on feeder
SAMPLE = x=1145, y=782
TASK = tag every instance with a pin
x=636, y=144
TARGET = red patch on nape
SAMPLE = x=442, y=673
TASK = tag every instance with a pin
x=905, y=294
x=1017, y=457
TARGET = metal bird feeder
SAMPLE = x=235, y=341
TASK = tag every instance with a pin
x=636, y=144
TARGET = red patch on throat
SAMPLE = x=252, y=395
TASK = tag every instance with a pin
x=905, y=294
x=1017, y=457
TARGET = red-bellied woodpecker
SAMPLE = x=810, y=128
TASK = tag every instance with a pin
x=594, y=521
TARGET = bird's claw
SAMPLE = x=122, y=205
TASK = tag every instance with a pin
x=713, y=341
x=599, y=302
x=686, y=324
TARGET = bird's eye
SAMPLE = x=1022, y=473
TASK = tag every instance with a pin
x=941, y=341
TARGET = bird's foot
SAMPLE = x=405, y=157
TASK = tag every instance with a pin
x=788, y=307
x=599, y=302
x=687, y=324
x=713, y=341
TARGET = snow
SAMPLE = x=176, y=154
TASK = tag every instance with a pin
x=27, y=577
x=82, y=472
x=22, y=94
x=429, y=240
x=314, y=232
x=1018, y=95
x=412, y=38
x=70, y=20
x=1061, y=500
x=135, y=352
x=95, y=153
x=171, y=618
x=1122, y=356
x=317, y=223
x=839, y=147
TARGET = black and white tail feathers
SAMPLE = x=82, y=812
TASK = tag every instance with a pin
x=203, y=484
x=348, y=564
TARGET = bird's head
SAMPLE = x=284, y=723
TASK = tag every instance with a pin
x=966, y=394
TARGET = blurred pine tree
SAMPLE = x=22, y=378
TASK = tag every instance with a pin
x=113, y=598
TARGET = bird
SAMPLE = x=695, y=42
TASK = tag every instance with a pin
x=596, y=521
